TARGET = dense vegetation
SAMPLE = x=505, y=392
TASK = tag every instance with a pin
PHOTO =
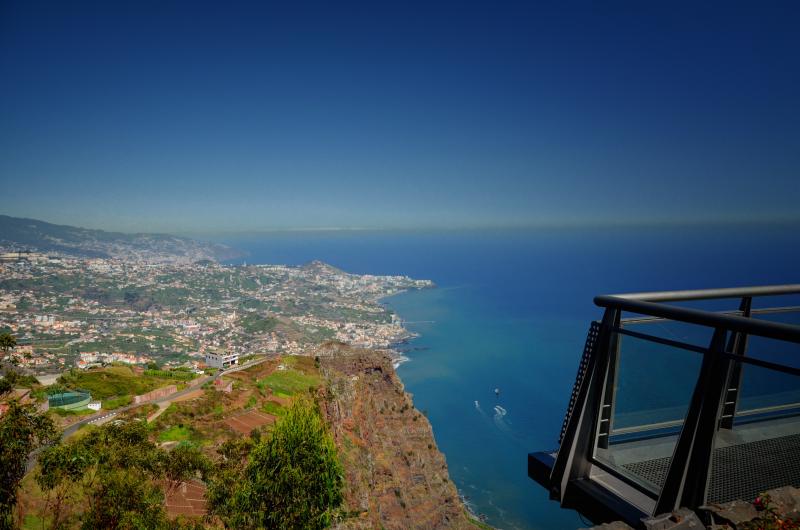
x=290, y=479
x=22, y=430
x=112, y=477
x=116, y=476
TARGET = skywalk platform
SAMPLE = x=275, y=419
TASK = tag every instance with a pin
x=675, y=406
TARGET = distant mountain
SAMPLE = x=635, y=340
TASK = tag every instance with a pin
x=29, y=234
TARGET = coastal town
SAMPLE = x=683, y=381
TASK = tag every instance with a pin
x=202, y=357
x=70, y=311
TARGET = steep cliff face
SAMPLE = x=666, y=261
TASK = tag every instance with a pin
x=396, y=477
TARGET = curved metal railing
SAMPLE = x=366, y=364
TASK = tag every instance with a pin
x=589, y=422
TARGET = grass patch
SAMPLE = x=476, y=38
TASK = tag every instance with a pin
x=34, y=522
x=114, y=385
x=65, y=413
x=300, y=362
x=286, y=383
x=276, y=409
x=170, y=374
x=117, y=402
x=176, y=433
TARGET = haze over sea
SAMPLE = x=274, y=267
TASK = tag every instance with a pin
x=511, y=311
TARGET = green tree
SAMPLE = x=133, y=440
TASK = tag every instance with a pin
x=121, y=498
x=227, y=478
x=292, y=479
x=112, y=478
x=61, y=469
x=12, y=379
x=7, y=343
x=183, y=463
x=22, y=430
x=107, y=478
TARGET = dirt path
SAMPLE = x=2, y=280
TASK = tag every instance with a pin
x=162, y=406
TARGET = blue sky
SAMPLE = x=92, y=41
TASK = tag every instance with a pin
x=252, y=116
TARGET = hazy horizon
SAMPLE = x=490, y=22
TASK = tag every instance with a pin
x=595, y=224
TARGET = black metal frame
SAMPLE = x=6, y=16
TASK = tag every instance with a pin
x=588, y=422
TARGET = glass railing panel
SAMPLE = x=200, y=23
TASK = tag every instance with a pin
x=654, y=386
x=760, y=389
x=762, y=449
x=670, y=330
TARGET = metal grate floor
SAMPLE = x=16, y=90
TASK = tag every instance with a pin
x=739, y=471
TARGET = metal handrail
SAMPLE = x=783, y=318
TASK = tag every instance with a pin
x=763, y=328
x=589, y=420
x=708, y=294
x=753, y=312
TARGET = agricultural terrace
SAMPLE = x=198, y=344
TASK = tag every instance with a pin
x=260, y=394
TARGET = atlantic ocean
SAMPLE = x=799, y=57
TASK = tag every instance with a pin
x=510, y=312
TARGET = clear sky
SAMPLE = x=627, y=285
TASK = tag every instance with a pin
x=157, y=115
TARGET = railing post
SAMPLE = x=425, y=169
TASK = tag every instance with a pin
x=738, y=345
x=606, y=424
x=577, y=444
x=686, y=484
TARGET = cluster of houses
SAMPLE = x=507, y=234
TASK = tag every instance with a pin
x=91, y=359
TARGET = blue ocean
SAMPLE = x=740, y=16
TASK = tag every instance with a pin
x=511, y=311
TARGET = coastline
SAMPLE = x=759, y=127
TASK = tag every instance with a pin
x=394, y=353
x=398, y=358
x=397, y=477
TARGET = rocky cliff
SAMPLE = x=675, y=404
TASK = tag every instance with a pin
x=396, y=477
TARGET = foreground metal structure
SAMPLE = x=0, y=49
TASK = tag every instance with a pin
x=677, y=406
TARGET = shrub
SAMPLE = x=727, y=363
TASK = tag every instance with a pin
x=293, y=478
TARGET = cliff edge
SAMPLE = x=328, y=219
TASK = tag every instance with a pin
x=395, y=475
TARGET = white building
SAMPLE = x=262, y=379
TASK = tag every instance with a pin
x=222, y=360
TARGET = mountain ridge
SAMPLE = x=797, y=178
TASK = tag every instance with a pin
x=19, y=233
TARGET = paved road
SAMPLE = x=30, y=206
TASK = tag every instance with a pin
x=103, y=416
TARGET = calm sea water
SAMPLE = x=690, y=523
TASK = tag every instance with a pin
x=511, y=311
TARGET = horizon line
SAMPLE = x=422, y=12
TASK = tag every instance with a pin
x=553, y=225
x=535, y=225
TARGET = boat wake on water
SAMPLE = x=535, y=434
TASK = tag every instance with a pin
x=498, y=418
